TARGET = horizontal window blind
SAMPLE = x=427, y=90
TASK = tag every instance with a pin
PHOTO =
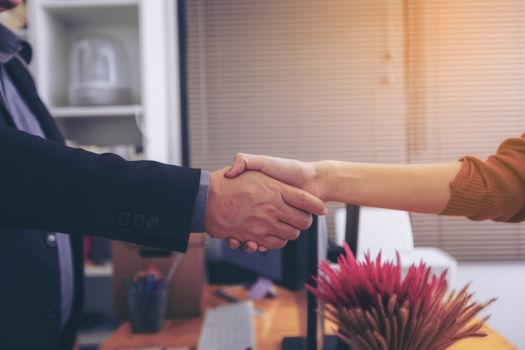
x=465, y=95
x=302, y=79
x=372, y=81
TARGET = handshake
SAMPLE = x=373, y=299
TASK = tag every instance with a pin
x=262, y=202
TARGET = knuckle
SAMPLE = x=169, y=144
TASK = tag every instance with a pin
x=274, y=187
x=285, y=233
x=304, y=198
x=259, y=230
x=304, y=222
x=272, y=210
x=274, y=243
x=303, y=226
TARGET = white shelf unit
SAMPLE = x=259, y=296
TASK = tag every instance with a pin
x=99, y=111
x=102, y=125
x=147, y=29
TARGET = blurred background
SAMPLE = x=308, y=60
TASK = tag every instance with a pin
x=192, y=82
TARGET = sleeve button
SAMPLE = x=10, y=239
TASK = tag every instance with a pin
x=51, y=240
x=138, y=221
x=153, y=223
x=123, y=219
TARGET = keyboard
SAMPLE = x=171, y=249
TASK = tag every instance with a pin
x=228, y=327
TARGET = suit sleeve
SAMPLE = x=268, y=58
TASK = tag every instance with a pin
x=492, y=189
x=47, y=186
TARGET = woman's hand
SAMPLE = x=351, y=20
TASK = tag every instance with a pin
x=295, y=173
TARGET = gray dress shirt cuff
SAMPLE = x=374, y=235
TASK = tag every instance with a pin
x=199, y=210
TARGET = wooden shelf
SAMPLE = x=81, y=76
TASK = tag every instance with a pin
x=96, y=111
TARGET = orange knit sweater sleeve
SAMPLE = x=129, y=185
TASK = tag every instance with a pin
x=493, y=189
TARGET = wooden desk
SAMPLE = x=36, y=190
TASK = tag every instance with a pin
x=284, y=316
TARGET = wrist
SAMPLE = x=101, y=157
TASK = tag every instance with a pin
x=323, y=170
x=214, y=190
x=201, y=202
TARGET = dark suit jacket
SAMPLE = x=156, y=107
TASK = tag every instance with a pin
x=48, y=187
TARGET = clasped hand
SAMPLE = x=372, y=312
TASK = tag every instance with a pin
x=264, y=207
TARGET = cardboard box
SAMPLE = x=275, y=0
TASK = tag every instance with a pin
x=185, y=289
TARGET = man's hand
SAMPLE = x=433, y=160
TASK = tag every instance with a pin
x=293, y=172
x=254, y=207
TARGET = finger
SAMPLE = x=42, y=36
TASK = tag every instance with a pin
x=303, y=200
x=295, y=217
x=262, y=249
x=243, y=162
x=234, y=243
x=251, y=247
x=285, y=231
x=273, y=242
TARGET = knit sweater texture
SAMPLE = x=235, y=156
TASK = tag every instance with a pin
x=491, y=189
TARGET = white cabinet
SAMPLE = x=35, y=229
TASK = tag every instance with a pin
x=147, y=30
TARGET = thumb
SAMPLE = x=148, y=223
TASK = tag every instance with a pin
x=243, y=162
x=238, y=167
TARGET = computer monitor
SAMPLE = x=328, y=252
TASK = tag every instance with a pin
x=268, y=264
x=286, y=267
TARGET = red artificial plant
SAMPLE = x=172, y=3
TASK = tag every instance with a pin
x=375, y=308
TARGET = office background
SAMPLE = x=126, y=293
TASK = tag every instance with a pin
x=376, y=81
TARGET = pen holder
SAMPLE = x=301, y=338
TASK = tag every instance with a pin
x=147, y=310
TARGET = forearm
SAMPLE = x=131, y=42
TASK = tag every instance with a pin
x=48, y=186
x=423, y=188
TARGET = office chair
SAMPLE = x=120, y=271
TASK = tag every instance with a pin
x=375, y=229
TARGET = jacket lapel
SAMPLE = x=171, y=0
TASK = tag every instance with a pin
x=26, y=87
